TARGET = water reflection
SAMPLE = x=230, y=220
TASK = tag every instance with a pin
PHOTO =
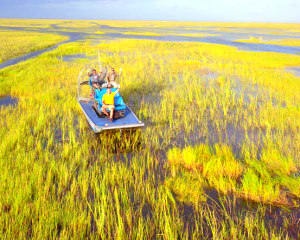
x=8, y=101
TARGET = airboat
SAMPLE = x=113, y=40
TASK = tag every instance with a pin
x=124, y=117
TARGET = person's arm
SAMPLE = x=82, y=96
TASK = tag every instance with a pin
x=107, y=77
x=116, y=76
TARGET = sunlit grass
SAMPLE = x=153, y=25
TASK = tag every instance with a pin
x=143, y=33
x=162, y=24
x=170, y=33
x=39, y=23
x=284, y=42
x=271, y=28
x=18, y=43
x=221, y=125
x=216, y=167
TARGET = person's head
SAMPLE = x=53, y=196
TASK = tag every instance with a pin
x=96, y=85
x=94, y=72
x=113, y=70
x=109, y=86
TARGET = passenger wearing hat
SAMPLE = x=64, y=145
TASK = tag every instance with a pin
x=108, y=102
x=111, y=78
x=112, y=75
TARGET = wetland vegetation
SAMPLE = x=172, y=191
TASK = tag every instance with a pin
x=19, y=43
x=283, y=42
x=218, y=159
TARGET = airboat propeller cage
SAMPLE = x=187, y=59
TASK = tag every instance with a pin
x=86, y=103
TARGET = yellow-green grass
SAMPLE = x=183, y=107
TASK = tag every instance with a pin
x=144, y=33
x=44, y=23
x=266, y=180
x=217, y=119
x=170, y=33
x=76, y=24
x=285, y=42
x=19, y=43
x=39, y=23
x=162, y=24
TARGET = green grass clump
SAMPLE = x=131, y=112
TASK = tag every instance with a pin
x=188, y=193
x=223, y=163
x=276, y=163
x=218, y=168
x=254, y=188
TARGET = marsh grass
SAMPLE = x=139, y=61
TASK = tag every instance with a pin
x=18, y=43
x=59, y=180
x=294, y=42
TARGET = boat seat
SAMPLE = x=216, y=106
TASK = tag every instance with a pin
x=119, y=102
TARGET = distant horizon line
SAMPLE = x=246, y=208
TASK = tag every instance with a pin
x=148, y=20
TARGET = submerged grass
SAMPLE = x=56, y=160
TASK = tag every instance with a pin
x=222, y=127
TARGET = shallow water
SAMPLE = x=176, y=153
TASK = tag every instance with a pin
x=224, y=36
x=216, y=40
x=234, y=135
x=73, y=36
x=27, y=56
x=8, y=101
x=294, y=70
x=72, y=57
